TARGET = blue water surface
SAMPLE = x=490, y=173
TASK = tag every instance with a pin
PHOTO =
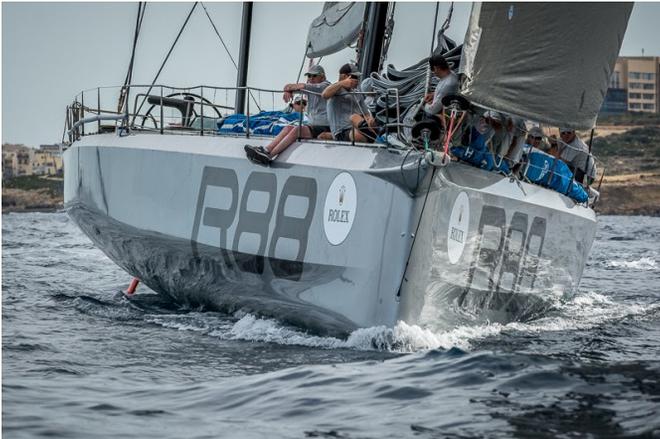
x=81, y=361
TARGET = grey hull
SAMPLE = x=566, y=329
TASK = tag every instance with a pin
x=519, y=249
x=322, y=239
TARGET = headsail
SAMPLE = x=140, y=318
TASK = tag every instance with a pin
x=547, y=62
x=336, y=28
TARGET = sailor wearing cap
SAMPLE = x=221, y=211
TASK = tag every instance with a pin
x=534, y=142
x=576, y=154
x=317, y=117
x=496, y=128
x=536, y=139
x=342, y=104
x=317, y=108
x=297, y=105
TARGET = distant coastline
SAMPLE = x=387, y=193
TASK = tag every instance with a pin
x=631, y=194
x=32, y=194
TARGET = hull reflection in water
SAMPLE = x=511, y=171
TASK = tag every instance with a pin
x=331, y=237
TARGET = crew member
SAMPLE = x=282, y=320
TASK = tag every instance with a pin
x=348, y=114
x=447, y=84
x=576, y=154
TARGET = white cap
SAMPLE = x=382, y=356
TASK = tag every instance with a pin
x=490, y=114
x=536, y=132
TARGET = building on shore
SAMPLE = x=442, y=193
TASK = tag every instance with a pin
x=634, y=86
x=9, y=164
x=20, y=160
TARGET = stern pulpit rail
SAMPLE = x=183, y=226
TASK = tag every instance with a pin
x=200, y=108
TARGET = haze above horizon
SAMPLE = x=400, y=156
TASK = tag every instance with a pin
x=51, y=51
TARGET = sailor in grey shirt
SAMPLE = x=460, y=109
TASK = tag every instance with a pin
x=316, y=104
x=576, y=154
x=342, y=104
x=447, y=84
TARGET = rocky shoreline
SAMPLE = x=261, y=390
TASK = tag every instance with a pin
x=32, y=194
x=35, y=200
x=632, y=194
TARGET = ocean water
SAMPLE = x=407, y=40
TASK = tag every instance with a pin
x=81, y=361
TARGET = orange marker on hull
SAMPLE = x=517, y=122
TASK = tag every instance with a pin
x=133, y=286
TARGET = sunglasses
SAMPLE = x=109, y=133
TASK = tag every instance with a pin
x=313, y=76
x=354, y=77
x=537, y=138
x=566, y=132
x=300, y=103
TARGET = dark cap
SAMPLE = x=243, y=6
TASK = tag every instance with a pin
x=350, y=69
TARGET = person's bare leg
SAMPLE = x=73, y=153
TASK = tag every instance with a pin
x=356, y=120
x=327, y=135
x=280, y=136
x=291, y=137
x=355, y=134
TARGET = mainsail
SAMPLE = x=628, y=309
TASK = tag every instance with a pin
x=336, y=28
x=547, y=62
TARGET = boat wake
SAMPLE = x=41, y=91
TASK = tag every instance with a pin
x=585, y=311
x=644, y=263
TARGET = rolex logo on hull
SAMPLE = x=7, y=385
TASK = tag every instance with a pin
x=340, y=208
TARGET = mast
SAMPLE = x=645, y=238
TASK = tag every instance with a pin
x=241, y=79
x=374, y=37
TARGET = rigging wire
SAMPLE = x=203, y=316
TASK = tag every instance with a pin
x=129, y=73
x=447, y=22
x=302, y=65
x=435, y=24
x=166, y=58
x=219, y=36
x=389, y=30
x=138, y=25
x=227, y=50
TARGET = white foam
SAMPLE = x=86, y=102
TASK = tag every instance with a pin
x=253, y=328
x=400, y=338
x=645, y=263
x=582, y=312
x=167, y=322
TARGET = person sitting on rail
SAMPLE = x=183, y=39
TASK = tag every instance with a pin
x=318, y=118
x=500, y=133
x=447, y=84
x=348, y=114
x=316, y=83
x=518, y=133
x=487, y=137
x=576, y=154
x=533, y=142
x=547, y=170
x=536, y=139
x=297, y=105
x=284, y=138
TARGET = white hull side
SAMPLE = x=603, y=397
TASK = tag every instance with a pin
x=195, y=220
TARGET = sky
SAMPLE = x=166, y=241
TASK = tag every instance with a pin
x=51, y=51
